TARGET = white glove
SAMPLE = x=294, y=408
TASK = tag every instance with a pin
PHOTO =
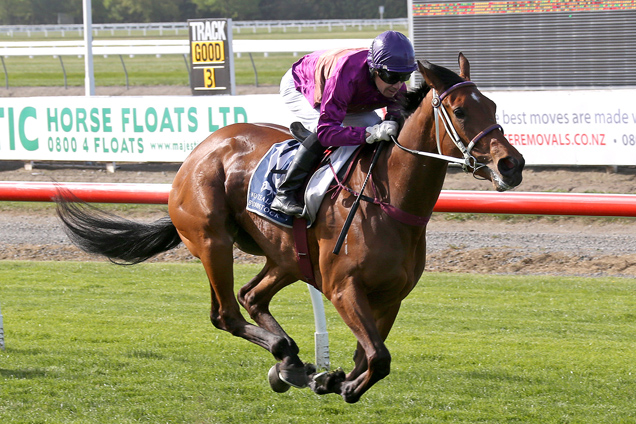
x=382, y=131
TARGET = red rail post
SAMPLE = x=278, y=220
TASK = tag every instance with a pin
x=89, y=192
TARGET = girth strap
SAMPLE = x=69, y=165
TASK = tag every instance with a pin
x=302, y=250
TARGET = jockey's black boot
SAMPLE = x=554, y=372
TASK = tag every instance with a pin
x=305, y=159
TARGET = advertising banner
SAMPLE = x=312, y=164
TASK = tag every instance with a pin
x=124, y=129
x=584, y=127
x=549, y=128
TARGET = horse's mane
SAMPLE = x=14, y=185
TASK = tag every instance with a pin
x=412, y=98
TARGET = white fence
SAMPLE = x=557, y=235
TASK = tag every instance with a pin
x=182, y=27
x=161, y=47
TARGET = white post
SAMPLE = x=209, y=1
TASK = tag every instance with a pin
x=321, y=337
x=1, y=332
x=89, y=79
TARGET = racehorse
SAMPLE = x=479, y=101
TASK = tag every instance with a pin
x=385, y=247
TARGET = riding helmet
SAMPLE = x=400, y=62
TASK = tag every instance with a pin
x=393, y=52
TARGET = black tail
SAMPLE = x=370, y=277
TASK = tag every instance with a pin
x=119, y=239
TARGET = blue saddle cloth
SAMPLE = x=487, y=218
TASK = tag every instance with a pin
x=270, y=173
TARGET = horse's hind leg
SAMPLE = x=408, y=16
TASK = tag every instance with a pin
x=255, y=298
x=225, y=313
x=216, y=257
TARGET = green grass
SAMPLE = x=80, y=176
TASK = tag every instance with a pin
x=319, y=33
x=142, y=70
x=149, y=70
x=96, y=343
x=145, y=70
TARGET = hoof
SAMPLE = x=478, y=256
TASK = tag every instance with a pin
x=310, y=369
x=327, y=382
x=294, y=376
x=275, y=382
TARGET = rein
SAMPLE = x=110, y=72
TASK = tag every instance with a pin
x=468, y=161
x=390, y=210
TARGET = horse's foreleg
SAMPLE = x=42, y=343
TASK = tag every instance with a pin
x=353, y=306
x=332, y=381
x=360, y=363
x=384, y=322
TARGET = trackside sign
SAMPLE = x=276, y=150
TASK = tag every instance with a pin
x=211, y=56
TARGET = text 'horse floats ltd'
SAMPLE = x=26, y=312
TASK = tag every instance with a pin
x=383, y=257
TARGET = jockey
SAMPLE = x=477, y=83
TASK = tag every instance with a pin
x=334, y=93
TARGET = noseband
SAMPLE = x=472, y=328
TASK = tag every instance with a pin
x=468, y=161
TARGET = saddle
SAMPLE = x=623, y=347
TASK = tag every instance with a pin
x=272, y=168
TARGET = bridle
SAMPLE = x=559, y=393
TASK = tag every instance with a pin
x=468, y=161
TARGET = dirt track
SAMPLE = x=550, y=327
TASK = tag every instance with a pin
x=517, y=245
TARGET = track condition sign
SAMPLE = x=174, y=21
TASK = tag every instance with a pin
x=212, y=60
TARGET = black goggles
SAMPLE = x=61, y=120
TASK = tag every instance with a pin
x=393, y=77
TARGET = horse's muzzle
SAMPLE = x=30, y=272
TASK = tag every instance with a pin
x=511, y=168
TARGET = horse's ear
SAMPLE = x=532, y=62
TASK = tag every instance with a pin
x=426, y=69
x=464, y=67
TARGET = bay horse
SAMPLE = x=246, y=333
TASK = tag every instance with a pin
x=383, y=257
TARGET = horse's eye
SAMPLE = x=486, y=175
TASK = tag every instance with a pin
x=459, y=113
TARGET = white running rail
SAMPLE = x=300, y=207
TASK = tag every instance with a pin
x=161, y=47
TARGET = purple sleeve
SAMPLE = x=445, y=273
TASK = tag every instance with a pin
x=335, y=99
